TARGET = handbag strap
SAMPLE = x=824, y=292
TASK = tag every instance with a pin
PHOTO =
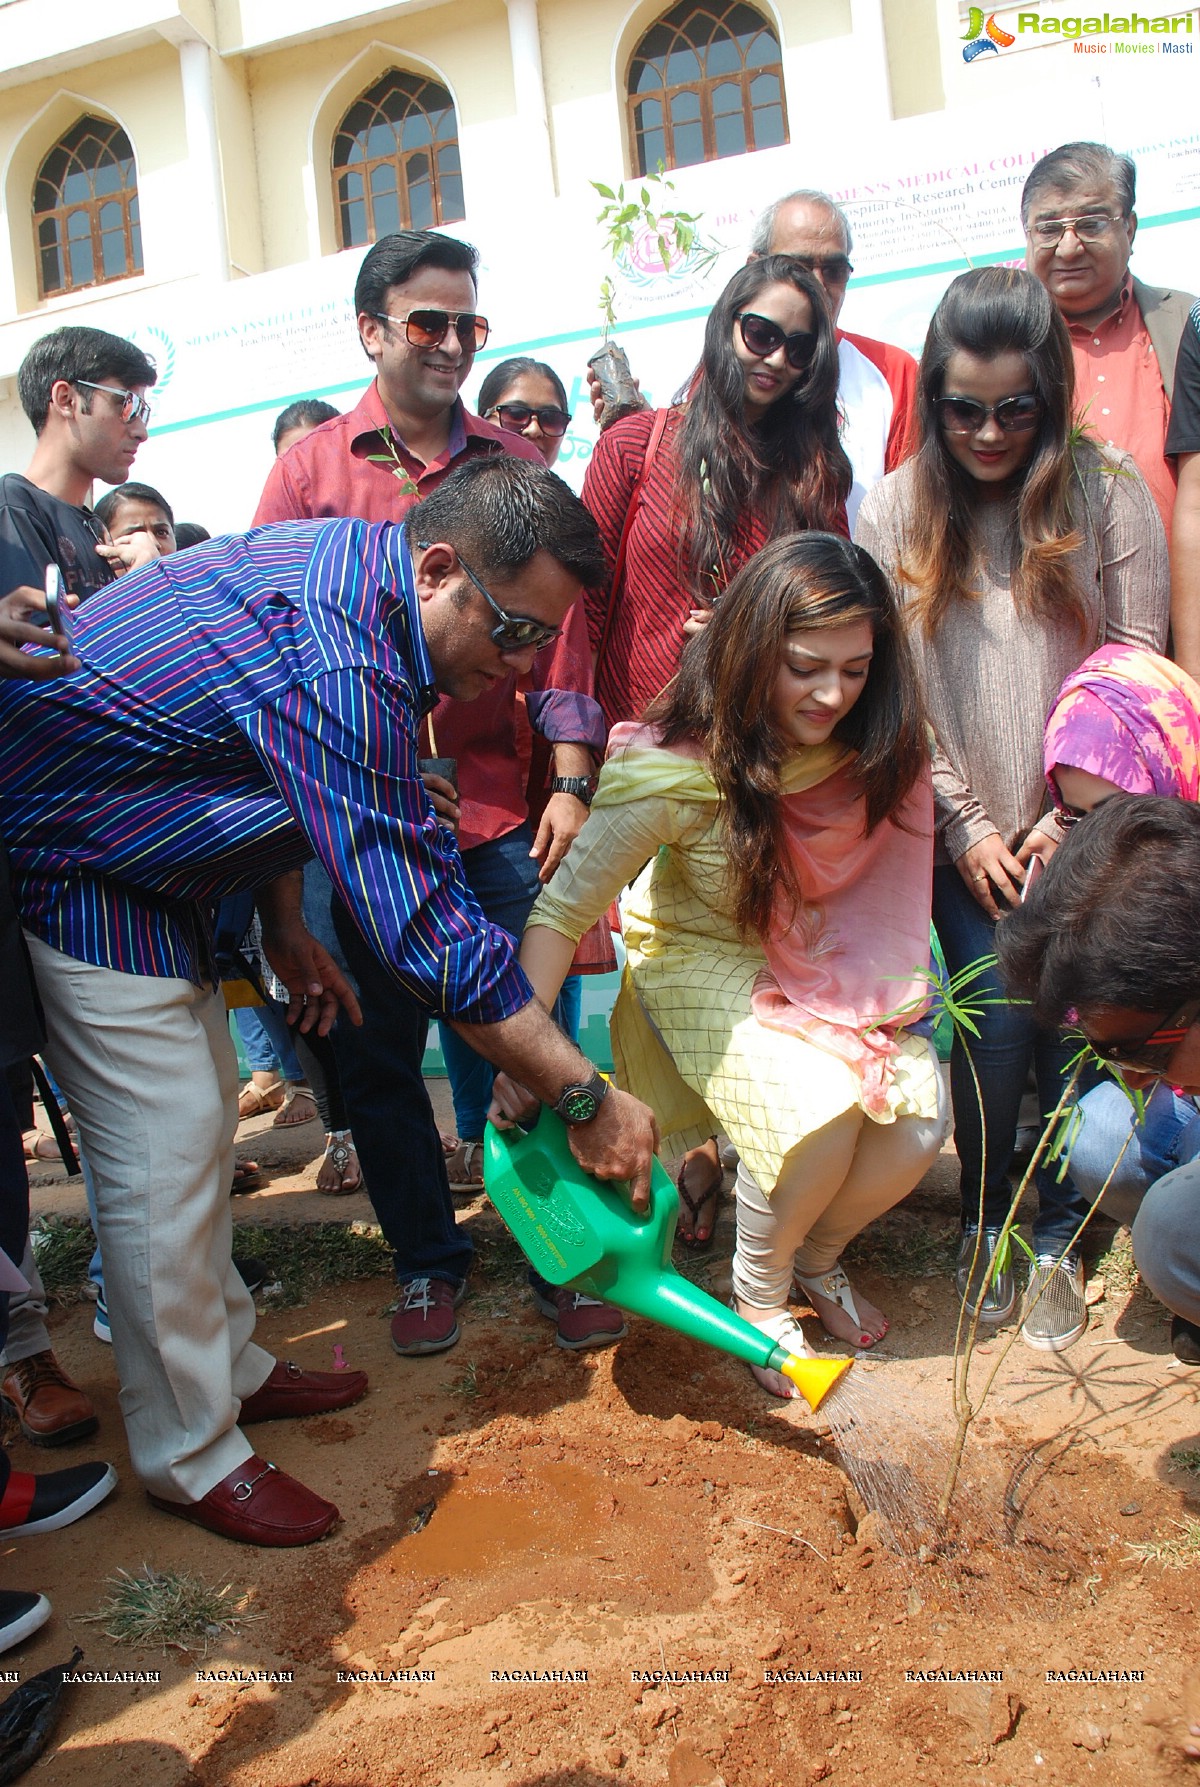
x=614, y=588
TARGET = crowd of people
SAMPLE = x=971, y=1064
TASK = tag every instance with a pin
x=834, y=648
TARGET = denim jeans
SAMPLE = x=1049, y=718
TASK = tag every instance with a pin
x=1155, y=1189
x=267, y=1041
x=504, y=879
x=1008, y=1042
x=386, y=1101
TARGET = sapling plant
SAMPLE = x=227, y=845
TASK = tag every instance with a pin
x=644, y=210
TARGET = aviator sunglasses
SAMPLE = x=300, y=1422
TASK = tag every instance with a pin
x=1151, y=1053
x=429, y=328
x=513, y=632
x=133, y=407
x=1015, y=415
x=516, y=417
x=762, y=338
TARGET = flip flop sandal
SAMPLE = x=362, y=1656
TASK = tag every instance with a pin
x=247, y=1176
x=293, y=1112
x=695, y=1206
x=836, y=1286
x=342, y=1156
x=253, y=1099
x=41, y=1147
x=463, y=1168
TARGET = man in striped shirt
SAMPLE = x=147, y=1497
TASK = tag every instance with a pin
x=241, y=707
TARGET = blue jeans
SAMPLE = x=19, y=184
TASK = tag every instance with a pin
x=1155, y=1189
x=386, y=1101
x=504, y=879
x=267, y=1040
x=1008, y=1042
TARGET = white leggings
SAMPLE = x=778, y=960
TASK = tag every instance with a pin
x=831, y=1185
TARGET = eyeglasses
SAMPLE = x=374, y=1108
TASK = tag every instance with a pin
x=1015, y=415
x=1151, y=1053
x=429, y=328
x=515, y=632
x=133, y=407
x=1086, y=229
x=836, y=268
x=1069, y=816
x=516, y=417
x=762, y=337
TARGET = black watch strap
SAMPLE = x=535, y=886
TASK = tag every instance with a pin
x=579, y=1102
x=582, y=787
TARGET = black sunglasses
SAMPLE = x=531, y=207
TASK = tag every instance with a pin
x=429, y=328
x=763, y=337
x=515, y=632
x=836, y=268
x=1015, y=415
x=516, y=417
x=1151, y=1053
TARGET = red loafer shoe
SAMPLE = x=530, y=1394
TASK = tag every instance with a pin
x=258, y=1504
x=290, y=1391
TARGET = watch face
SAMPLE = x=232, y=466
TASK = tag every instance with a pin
x=578, y=1105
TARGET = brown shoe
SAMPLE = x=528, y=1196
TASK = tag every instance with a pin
x=258, y=1504
x=290, y=1391
x=51, y=1409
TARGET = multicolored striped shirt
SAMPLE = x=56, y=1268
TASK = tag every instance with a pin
x=241, y=707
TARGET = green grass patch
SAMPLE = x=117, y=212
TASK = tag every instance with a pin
x=171, y=1609
x=900, y=1245
x=305, y=1258
x=62, y=1247
x=1187, y=1458
x=1115, y=1266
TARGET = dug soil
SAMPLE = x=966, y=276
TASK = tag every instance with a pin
x=633, y=1566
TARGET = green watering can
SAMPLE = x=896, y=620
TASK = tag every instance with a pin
x=581, y=1232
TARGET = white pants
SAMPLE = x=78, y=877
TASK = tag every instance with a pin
x=831, y=1186
x=150, y=1074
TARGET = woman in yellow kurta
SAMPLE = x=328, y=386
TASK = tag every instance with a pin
x=776, y=811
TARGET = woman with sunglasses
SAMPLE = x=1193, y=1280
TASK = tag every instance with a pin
x=525, y=396
x=1018, y=547
x=780, y=792
x=685, y=497
x=1128, y=722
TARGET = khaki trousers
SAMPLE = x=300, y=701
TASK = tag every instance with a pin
x=150, y=1074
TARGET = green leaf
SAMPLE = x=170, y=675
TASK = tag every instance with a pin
x=606, y=192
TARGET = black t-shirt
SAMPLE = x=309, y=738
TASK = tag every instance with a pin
x=1183, y=431
x=37, y=529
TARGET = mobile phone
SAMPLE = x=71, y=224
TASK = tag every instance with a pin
x=1033, y=869
x=57, y=613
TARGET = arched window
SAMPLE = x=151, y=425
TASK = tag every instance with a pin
x=395, y=161
x=85, y=209
x=705, y=82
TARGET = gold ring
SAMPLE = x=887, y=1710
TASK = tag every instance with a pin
x=981, y=877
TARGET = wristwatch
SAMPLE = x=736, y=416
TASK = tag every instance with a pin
x=582, y=787
x=579, y=1103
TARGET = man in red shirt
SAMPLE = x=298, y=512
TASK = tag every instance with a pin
x=1077, y=209
x=415, y=299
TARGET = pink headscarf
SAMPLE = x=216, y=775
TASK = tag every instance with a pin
x=1133, y=719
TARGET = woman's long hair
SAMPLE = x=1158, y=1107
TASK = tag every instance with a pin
x=723, y=695
x=789, y=468
x=991, y=311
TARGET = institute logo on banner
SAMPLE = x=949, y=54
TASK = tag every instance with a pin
x=983, y=34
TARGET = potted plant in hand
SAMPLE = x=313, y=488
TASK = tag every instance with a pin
x=623, y=220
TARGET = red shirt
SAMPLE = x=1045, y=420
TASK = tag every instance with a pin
x=344, y=468
x=1119, y=393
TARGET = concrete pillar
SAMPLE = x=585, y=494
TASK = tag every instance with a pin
x=525, y=48
x=872, y=77
x=204, y=154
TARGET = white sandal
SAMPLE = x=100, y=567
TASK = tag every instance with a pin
x=786, y=1331
x=836, y=1286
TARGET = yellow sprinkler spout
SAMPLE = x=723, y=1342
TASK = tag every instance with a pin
x=814, y=1378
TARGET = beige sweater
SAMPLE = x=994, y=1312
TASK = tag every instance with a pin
x=990, y=673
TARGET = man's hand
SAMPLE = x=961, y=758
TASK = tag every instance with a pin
x=129, y=552
x=316, y=985
x=16, y=630
x=511, y=1102
x=620, y=1142
x=561, y=824
x=444, y=796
